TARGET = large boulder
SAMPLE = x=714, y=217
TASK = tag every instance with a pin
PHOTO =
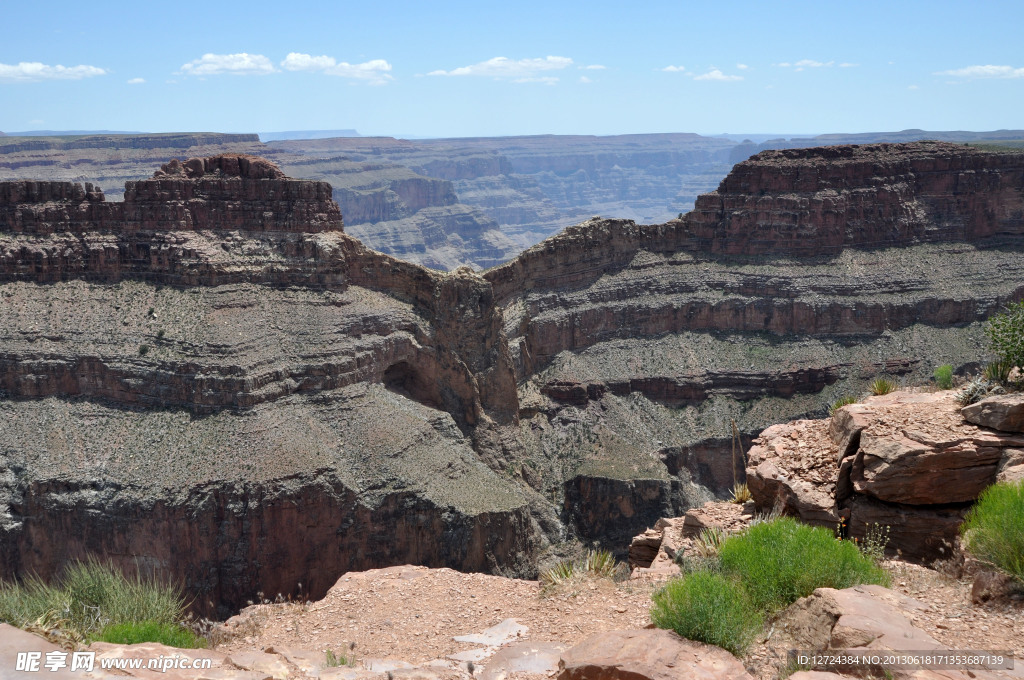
x=1001, y=412
x=649, y=654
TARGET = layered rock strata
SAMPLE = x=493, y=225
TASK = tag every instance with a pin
x=217, y=345
x=211, y=381
x=806, y=275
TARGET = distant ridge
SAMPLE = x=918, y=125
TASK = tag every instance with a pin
x=306, y=134
x=170, y=140
x=70, y=133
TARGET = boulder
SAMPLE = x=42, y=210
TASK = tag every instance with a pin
x=1001, y=412
x=649, y=654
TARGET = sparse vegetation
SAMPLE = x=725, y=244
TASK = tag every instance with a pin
x=974, y=391
x=595, y=564
x=90, y=597
x=994, y=528
x=841, y=402
x=1006, y=334
x=783, y=560
x=944, y=376
x=740, y=493
x=143, y=350
x=709, y=541
x=881, y=386
x=710, y=608
x=998, y=371
x=876, y=537
x=335, y=660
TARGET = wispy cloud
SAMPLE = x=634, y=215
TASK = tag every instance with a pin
x=584, y=79
x=517, y=70
x=30, y=71
x=808, y=63
x=742, y=67
x=715, y=74
x=847, y=64
x=375, y=71
x=136, y=81
x=988, y=71
x=594, y=67
x=674, y=69
x=241, y=64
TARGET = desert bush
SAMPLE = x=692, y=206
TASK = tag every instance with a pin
x=596, y=563
x=974, y=391
x=88, y=598
x=710, y=608
x=740, y=493
x=782, y=560
x=994, y=528
x=882, y=386
x=170, y=634
x=1006, y=334
x=841, y=402
x=709, y=541
x=944, y=376
x=998, y=371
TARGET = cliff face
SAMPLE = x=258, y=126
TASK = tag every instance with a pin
x=214, y=358
x=238, y=389
x=807, y=274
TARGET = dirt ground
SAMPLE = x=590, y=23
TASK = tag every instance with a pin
x=413, y=613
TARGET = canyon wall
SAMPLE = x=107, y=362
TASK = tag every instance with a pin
x=214, y=358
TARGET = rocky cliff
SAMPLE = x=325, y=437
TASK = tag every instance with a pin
x=807, y=274
x=215, y=359
x=211, y=380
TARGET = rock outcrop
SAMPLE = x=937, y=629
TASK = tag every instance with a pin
x=647, y=655
x=906, y=461
x=1002, y=412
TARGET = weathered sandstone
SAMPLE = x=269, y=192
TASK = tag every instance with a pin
x=647, y=655
x=1001, y=412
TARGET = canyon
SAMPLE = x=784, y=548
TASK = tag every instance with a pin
x=212, y=379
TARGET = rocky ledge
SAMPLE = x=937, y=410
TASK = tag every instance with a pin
x=908, y=461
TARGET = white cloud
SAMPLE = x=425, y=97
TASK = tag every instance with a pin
x=594, y=67
x=987, y=71
x=742, y=67
x=136, y=81
x=242, y=64
x=674, y=69
x=29, y=71
x=520, y=70
x=847, y=64
x=584, y=79
x=374, y=71
x=913, y=87
x=808, y=63
x=715, y=74
x=546, y=80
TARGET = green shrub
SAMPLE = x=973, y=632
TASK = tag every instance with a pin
x=88, y=598
x=998, y=371
x=882, y=386
x=839, y=403
x=170, y=634
x=1006, y=333
x=710, y=608
x=994, y=528
x=333, y=660
x=782, y=560
x=944, y=376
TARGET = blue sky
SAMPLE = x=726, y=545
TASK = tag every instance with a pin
x=485, y=68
